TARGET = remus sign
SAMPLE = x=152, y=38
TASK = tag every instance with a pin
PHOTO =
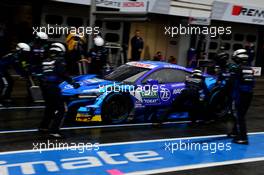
x=237, y=13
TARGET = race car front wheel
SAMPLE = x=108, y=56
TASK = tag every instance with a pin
x=116, y=108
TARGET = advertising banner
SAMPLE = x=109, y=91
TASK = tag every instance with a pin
x=123, y=5
x=237, y=13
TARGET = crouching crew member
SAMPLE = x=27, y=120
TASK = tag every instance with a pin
x=18, y=60
x=53, y=73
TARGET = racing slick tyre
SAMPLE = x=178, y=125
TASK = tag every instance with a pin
x=116, y=108
x=219, y=103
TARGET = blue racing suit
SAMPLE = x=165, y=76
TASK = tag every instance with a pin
x=17, y=60
x=98, y=56
x=242, y=93
x=53, y=73
x=37, y=55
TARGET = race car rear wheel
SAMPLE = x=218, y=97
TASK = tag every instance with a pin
x=116, y=108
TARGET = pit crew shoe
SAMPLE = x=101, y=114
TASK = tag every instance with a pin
x=231, y=135
x=240, y=141
x=56, y=135
x=43, y=130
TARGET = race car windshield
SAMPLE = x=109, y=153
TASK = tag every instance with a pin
x=126, y=73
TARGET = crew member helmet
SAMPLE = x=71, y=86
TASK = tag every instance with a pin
x=221, y=58
x=23, y=47
x=240, y=56
x=197, y=73
x=59, y=45
x=98, y=41
x=42, y=36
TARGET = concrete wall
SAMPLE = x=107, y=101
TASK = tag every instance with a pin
x=155, y=39
x=153, y=35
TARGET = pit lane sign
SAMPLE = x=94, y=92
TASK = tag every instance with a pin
x=237, y=13
x=199, y=21
x=257, y=71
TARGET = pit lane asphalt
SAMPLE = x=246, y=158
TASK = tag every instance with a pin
x=17, y=119
x=29, y=118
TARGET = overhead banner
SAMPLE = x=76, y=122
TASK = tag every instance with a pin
x=237, y=13
x=133, y=6
x=151, y=6
x=123, y=5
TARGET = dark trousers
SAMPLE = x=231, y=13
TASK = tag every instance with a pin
x=135, y=55
x=2, y=88
x=96, y=67
x=72, y=62
x=54, y=111
x=6, y=90
x=241, y=107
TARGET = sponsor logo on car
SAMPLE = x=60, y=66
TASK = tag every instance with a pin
x=165, y=94
x=150, y=97
x=177, y=91
x=149, y=94
x=151, y=101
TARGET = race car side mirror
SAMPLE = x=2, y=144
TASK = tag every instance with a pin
x=152, y=82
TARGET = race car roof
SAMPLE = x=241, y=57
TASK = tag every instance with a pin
x=156, y=64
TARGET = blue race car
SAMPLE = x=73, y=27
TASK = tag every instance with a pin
x=130, y=90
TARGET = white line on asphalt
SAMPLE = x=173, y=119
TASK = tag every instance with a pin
x=130, y=142
x=197, y=166
x=172, y=139
x=91, y=127
x=22, y=107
